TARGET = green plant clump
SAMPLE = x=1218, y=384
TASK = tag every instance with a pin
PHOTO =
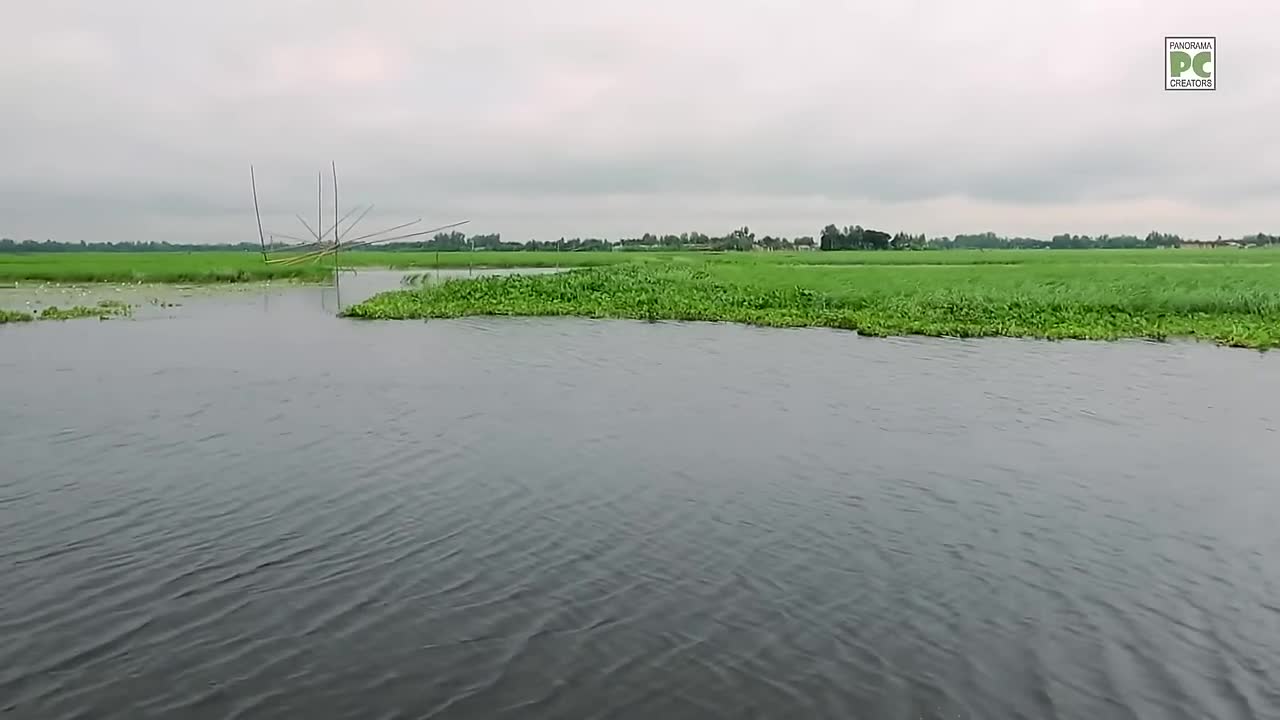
x=104, y=309
x=1231, y=303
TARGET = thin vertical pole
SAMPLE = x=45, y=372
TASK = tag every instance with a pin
x=261, y=241
x=336, y=271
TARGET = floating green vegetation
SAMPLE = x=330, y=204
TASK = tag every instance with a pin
x=1231, y=303
x=11, y=316
x=103, y=310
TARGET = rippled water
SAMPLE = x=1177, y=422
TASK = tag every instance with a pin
x=246, y=507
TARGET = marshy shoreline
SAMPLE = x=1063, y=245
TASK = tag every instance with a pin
x=1226, y=297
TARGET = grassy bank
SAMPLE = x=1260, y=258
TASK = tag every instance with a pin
x=1146, y=294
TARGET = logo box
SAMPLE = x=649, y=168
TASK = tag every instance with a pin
x=1191, y=62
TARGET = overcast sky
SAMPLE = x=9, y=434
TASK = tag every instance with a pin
x=137, y=119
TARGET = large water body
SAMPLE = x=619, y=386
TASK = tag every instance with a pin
x=246, y=507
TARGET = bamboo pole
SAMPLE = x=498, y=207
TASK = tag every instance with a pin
x=337, y=284
x=253, y=181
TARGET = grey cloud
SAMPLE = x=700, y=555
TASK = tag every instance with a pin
x=608, y=118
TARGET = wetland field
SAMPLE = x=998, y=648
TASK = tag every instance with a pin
x=1224, y=296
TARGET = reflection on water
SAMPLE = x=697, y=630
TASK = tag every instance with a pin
x=247, y=507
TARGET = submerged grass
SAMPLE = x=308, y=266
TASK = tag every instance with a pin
x=1230, y=303
x=103, y=310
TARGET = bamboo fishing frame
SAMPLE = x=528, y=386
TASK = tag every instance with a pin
x=317, y=248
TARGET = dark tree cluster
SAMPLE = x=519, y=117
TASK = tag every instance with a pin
x=855, y=237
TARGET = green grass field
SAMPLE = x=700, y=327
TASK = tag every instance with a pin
x=1231, y=298
x=227, y=267
x=1082, y=258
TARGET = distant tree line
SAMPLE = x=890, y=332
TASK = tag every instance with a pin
x=854, y=237
x=739, y=239
x=1068, y=241
x=13, y=246
x=990, y=240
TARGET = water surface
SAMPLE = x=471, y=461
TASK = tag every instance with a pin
x=246, y=507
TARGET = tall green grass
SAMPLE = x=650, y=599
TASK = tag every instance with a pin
x=1233, y=303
